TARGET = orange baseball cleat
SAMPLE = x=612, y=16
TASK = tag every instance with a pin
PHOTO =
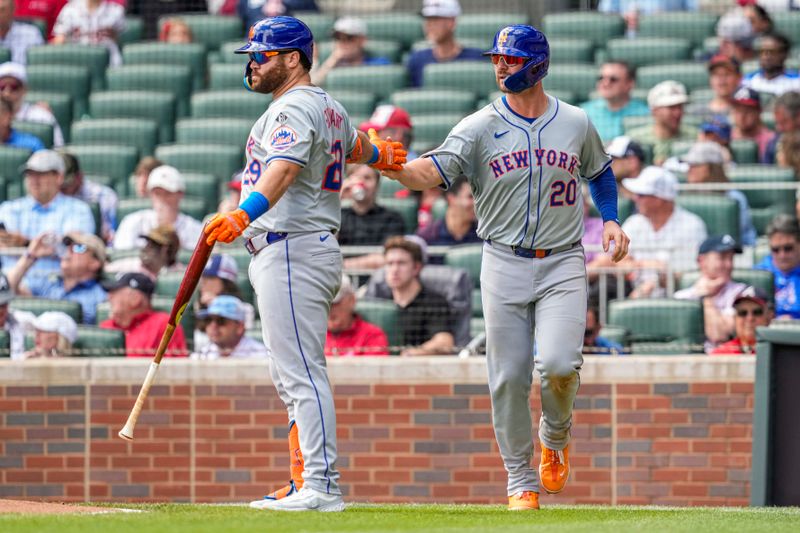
x=523, y=501
x=554, y=469
x=296, y=458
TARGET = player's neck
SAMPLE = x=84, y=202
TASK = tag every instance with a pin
x=531, y=103
x=294, y=80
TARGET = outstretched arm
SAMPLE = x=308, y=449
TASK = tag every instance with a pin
x=418, y=175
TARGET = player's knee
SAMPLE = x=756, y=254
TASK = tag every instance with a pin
x=559, y=368
x=510, y=383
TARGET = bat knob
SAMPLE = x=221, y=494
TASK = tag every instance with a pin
x=125, y=434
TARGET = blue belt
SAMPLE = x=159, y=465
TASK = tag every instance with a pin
x=262, y=240
x=535, y=253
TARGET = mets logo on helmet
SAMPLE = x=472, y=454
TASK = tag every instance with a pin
x=503, y=37
x=251, y=33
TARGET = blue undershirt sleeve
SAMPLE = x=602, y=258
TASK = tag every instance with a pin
x=604, y=194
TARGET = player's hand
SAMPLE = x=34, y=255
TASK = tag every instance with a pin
x=612, y=232
x=226, y=227
x=391, y=154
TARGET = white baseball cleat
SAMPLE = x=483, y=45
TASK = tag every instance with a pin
x=306, y=499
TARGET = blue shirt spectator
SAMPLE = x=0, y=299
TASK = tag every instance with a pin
x=787, y=288
x=88, y=293
x=614, y=86
x=783, y=233
x=21, y=139
x=349, y=49
x=459, y=225
x=646, y=6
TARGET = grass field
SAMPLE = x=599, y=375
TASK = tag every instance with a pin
x=177, y=518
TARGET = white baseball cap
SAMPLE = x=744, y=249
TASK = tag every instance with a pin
x=667, y=93
x=166, y=177
x=704, y=152
x=441, y=8
x=45, y=161
x=13, y=70
x=653, y=181
x=57, y=322
x=350, y=26
x=734, y=26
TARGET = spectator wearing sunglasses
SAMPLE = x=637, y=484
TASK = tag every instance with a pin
x=225, y=326
x=784, y=263
x=752, y=309
x=82, y=258
x=615, y=84
x=14, y=88
x=349, y=49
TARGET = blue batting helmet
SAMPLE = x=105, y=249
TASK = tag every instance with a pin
x=277, y=33
x=526, y=41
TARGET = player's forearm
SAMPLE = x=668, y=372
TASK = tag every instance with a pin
x=440, y=344
x=417, y=175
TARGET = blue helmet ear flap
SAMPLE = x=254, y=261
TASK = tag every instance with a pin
x=248, y=82
x=528, y=76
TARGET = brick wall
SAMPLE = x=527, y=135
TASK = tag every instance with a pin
x=672, y=431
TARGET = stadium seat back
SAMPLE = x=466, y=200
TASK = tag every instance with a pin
x=210, y=30
x=37, y=306
x=695, y=26
x=599, y=27
x=133, y=32
x=649, y=50
x=404, y=28
x=232, y=131
x=114, y=160
x=73, y=80
x=94, y=341
x=571, y=50
x=484, y=26
x=576, y=78
x=59, y=103
x=660, y=321
x=692, y=75
x=433, y=101
x=175, y=79
x=382, y=313
x=407, y=207
x=720, y=213
x=226, y=76
x=44, y=132
x=744, y=151
x=5, y=342
x=192, y=55
x=380, y=80
x=217, y=159
x=229, y=103
x=468, y=257
x=154, y=105
x=11, y=159
x=431, y=130
x=139, y=132
x=356, y=103
x=476, y=76
x=93, y=57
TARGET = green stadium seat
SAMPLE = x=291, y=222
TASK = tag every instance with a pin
x=477, y=303
x=204, y=187
x=477, y=326
x=41, y=130
x=767, y=202
x=575, y=78
x=468, y=257
x=694, y=26
x=598, y=27
x=11, y=159
x=788, y=23
x=93, y=57
x=720, y=213
x=154, y=105
x=382, y=313
x=59, y=103
x=133, y=32
x=37, y=306
x=381, y=80
x=192, y=55
x=5, y=56
x=210, y=30
x=5, y=342
x=649, y=50
x=615, y=334
x=403, y=28
x=320, y=24
x=355, y=102
x=115, y=161
x=692, y=75
x=94, y=341
x=571, y=50
x=701, y=96
x=139, y=132
x=744, y=151
x=475, y=76
x=388, y=187
x=391, y=50
x=666, y=325
x=762, y=279
x=218, y=159
x=434, y=101
x=226, y=54
x=232, y=131
x=431, y=130
x=231, y=103
x=73, y=80
x=484, y=26
x=175, y=79
x=407, y=207
x=226, y=76
x=194, y=207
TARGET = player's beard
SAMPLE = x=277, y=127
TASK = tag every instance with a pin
x=273, y=78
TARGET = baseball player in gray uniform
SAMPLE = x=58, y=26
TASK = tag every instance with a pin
x=289, y=215
x=523, y=155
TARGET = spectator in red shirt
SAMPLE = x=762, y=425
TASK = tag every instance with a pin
x=43, y=9
x=348, y=333
x=753, y=309
x=129, y=295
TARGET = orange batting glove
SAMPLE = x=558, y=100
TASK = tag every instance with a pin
x=226, y=227
x=391, y=154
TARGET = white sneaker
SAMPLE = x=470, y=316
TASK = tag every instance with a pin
x=306, y=499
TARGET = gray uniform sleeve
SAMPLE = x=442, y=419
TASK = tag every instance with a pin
x=289, y=133
x=456, y=155
x=594, y=159
x=352, y=135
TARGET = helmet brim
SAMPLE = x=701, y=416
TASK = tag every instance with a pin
x=252, y=47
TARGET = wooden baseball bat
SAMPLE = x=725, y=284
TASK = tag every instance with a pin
x=194, y=270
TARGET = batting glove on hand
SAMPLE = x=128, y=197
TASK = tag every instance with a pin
x=391, y=154
x=226, y=227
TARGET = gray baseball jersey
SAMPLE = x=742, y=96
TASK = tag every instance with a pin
x=307, y=127
x=525, y=176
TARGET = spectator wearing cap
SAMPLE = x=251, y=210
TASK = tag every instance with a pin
x=17, y=36
x=348, y=333
x=98, y=22
x=43, y=210
x=666, y=101
x=439, y=27
x=14, y=88
x=627, y=160
x=165, y=187
x=717, y=129
x=787, y=120
x=364, y=222
x=724, y=76
x=759, y=17
x=55, y=333
x=129, y=295
x=82, y=261
x=715, y=288
x=224, y=321
x=349, y=49
x=773, y=77
x=706, y=162
x=736, y=36
x=12, y=137
x=176, y=31
x=632, y=9
x=77, y=186
x=159, y=254
x=747, y=124
x=391, y=121
x=17, y=323
x=751, y=309
x=783, y=233
x=615, y=84
x=142, y=171
x=459, y=225
x=662, y=233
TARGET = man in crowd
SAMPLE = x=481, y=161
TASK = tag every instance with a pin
x=12, y=137
x=751, y=309
x=666, y=101
x=348, y=333
x=349, y=49
x=784, y=263
x=593, y=343
x=17, y=323
x=787, y=119
x=747, y=124
x=17, y=36
x=459, y=225
x=82, y=263
x=224, y=324
x=77, y=186
x=736, y=35
x=14, y=88
x=614, y=86
x=159, y=254
x=772, y=77
x=391, y=121
x=129, y=295
x=724, y=76
x=627, y=160
x=365, y=222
